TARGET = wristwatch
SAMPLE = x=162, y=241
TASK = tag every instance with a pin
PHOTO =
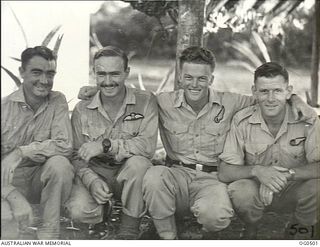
x=106, y=144
x=292, y=173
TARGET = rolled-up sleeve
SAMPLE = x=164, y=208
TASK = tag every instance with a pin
x=144, y=144
x=312, y=144
x=86, y=175
x=234, y=145
x=60, y=141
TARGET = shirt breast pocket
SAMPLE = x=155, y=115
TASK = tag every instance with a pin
x=255, y=153
x=294, y=148
x=93, y=133
x=41, y=135
x=177, y=135
x=215, y=138
x=131, y=128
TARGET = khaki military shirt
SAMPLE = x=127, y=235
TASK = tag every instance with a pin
x=45, y=132
x=197, y=138
x=134, y=131
x=251, y=143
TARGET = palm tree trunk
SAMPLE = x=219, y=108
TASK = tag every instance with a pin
x=190, y=28
x=315, y=56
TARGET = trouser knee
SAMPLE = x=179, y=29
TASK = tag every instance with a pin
x=308, y=200
x=59, y=168
x=135, y=166
x=82, y=207
x=213, y=217
x=155, y=178
x=244, y=194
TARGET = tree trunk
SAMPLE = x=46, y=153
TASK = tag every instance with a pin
x=190, y=28
x=315, y=56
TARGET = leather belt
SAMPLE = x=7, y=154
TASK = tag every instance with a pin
x=197, y=167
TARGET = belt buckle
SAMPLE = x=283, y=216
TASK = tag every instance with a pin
x=199, y=167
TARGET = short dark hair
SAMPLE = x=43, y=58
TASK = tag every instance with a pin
x=41, y=51
x=197, y=54
x=112, y=51
x=270, y=70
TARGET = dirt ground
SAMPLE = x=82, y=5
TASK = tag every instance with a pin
x=270, y=228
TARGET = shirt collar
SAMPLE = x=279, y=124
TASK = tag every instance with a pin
x=130, y=99
x=18, y=96
x=179, y=98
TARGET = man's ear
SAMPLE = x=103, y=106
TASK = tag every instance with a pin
x=21, y=71
x=289, y=89
x=254, y=91
x=211, y=80
x=127, y=72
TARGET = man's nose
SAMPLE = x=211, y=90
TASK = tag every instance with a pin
x=43, y=79
x=194, y=82
x=270, y=95
x=107, y=79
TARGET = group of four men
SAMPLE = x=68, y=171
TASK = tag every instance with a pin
x=226, y=152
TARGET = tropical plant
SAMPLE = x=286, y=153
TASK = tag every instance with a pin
x=45, y=42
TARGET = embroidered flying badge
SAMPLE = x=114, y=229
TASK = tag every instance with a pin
x=219, y=116
x=133, y=116
x=297, y=141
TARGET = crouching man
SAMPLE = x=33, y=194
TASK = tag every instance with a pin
x=115, y=133
x=36, y=137
x=272, y=159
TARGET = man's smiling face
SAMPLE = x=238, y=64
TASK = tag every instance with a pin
x=195, y=79
x=110, y=75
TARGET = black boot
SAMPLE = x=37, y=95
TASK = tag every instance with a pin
x=129, y=228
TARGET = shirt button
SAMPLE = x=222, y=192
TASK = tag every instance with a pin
x=197, y=151
x=276, y=161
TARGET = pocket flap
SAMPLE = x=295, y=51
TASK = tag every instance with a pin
x=176, y=128
x=256, y=148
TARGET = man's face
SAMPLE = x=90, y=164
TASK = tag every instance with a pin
x=38, y=76
x=110, y=75
x=195, y=79
x=272, y=94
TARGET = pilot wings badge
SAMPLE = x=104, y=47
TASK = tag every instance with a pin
x=133, y=116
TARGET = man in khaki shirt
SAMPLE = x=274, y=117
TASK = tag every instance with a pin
x=272, y=159
x=36, y=138
x=115, y=134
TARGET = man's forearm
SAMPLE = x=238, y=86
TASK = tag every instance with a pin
x=310, y=171
x=229, y=173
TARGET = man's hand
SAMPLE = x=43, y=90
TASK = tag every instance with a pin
x=22, y=210
x=100, y=191
x=89, y=150
x=86, y=92
x=8, y=165
x=266, y=195
x=300, y=109
x=270, y=177
x=38, y=158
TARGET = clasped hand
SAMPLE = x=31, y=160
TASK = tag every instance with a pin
x=274, y=177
